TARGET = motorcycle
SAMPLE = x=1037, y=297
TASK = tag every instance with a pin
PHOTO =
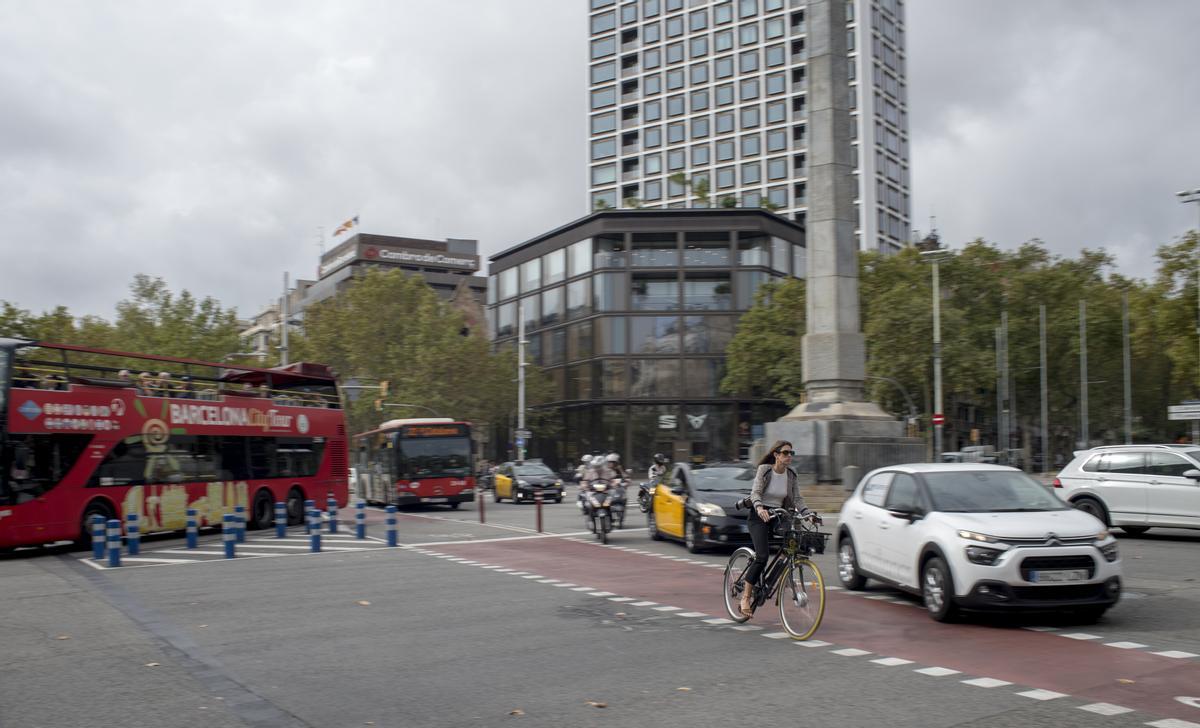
x=619, y=501
x=645, y=495
x=598, y=502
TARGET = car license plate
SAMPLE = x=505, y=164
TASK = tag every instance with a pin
x=1058, y=575
x=434, y=500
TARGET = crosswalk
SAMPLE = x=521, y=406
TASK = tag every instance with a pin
x=256, y=546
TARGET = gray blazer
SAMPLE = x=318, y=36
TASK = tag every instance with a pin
x=762, y=479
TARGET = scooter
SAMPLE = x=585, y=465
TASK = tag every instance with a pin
x=598, y=509
x=645, y=495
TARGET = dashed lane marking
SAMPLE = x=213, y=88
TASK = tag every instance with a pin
x=937, y=671
x=1039, y=694
x=892, y=661
x=1105, y=709
x=986, y=682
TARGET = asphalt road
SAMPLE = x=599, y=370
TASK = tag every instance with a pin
x=496, y=624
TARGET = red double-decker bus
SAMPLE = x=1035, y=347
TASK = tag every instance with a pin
x=416, y=461
x=88, y=431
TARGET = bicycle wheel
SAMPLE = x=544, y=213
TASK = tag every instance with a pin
x=801, y=598
x=735, y=582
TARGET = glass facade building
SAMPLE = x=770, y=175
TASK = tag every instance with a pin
x=716, y=90
x=630, y=313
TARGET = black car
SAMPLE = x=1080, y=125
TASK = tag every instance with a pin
x=522, y=481
x=696, y=506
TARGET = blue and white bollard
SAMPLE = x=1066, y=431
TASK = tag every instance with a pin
x=113, y=537
x=98, y=536
x=193, y=528
x=281, y=520
x=133, y=536
x=239, y=513
x=229, y=534
x=360, y=519
x=392, y=536
x=314, y=529
x=331, y=509
x=309, y=505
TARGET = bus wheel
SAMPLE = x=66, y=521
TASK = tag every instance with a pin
x=95, y=508
x=295, y=507
x=263, y=512
x=454, y=506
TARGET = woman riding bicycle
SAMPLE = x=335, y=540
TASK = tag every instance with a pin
x=775, y=486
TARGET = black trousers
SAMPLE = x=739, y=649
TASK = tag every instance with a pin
x=760, y=535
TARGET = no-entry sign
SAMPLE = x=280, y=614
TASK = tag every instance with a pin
x=939, y=419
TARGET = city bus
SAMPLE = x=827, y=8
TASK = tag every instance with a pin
x=87, y=431
x=416, y=461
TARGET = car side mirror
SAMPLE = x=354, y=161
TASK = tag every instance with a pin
x=905, y=511
x=1193, y=474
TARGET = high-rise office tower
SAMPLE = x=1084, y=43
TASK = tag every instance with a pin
x=698, y=103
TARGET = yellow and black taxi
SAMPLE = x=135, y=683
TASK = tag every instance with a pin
x=696, y=505
x=520, y=482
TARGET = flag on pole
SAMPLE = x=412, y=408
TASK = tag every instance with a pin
x=346, y=226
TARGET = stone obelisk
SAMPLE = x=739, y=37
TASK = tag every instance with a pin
x=835, y=411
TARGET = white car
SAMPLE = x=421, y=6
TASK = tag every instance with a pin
x=970, y=536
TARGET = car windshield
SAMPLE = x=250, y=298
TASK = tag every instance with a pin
x=733, y=480
x=534, y=470
x=989, y=491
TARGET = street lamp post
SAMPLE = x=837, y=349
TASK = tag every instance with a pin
x=936, y=257
x=1185, y=197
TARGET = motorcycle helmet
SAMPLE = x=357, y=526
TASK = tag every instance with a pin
x=660, y=458
x=613, y=458
x=586, y=459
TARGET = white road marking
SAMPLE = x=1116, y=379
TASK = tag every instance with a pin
x=892, y=661
x=163, y=561
x=667, y=609
x=718, y=620
x=1105, y=709
x=747, y=627
x=774, y=635
x=1040, y=694
x=620, y=599
x=532, y=576
x=1177, y=654
x=643, y=604
x=691, y=615
x=1125, y=645
x=851, y=652
x=937, y=671
x=582, y=588
x=814, y=643
x=986, y=682
x=1081, y=636
x=1173, y=723
x=601, y=594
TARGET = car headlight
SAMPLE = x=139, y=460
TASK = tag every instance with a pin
x=983, y=555
x=981, y=537
x=1108, y=546
x=558, y=483
x=710, y=509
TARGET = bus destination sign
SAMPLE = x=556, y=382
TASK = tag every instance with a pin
x=433, y=431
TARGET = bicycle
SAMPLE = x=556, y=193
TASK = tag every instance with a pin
x=790, y=576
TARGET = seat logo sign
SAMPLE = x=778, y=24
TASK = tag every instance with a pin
x=30, y=409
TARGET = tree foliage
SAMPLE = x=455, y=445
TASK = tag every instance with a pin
x=977, y=284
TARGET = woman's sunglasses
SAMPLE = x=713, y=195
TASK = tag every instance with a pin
x=785, y=452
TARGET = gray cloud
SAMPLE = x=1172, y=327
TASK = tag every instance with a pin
x=207, y=143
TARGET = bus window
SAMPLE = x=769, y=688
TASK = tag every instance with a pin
x=36, y=463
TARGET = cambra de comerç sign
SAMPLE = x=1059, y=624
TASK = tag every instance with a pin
x=396, y=255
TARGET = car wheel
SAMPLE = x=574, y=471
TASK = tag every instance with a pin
x=652, y=525
x=1092, y=507
x=691, y=539
x=1135, y=530
x=454, y=506
x=558, y=499
x=848, y=565
x=937, y=588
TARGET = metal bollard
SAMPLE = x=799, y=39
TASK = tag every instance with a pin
x=239, y=513
x=113, y=537
x=280, y=519
x=193, y=528
x=98, y=536
x=331, y=509
x=133, y=536
x=360, y=519
x=537, y=504
x=392, y=536
x=479, y=499
x=314, y=530
x=309, y=505
x=229, y=534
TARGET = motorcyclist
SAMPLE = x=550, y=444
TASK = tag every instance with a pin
x=658, y=469
x=584, y=462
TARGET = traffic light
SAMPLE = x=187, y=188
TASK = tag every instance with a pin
x=383, y=388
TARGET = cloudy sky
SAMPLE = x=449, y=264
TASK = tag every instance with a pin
x=208, y=143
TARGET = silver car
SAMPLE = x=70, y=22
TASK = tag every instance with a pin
x=1135, y=487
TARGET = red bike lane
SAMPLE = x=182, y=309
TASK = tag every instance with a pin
x=1083, y=669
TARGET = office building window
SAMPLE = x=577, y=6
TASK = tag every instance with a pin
x=748, y=61
x=724, y=67
x=610, y=292
x=747, y=8
x=653, y=163
x=674, y=53
x=654, y=249
x=530, y=312
x=724, y=122
x=723, y=13
x=609, y=251
x=700, y=155
x=699, y=73
x=554, y=266
x=652, y=85
x=776, y=84
x=773, y=28
x=508, y=283
x=748, y=283
x=748, y=34
x=579, y=298
x=675, y=26
x=722, y=41
x=776, y=112
x=654, y=293
x=611, y=378
x=707, y=292
x=749, y=89
x=651, y=58
x=603, y=148
x=653, y=190
x=675, y=105
x=698, y=20
x=707, y=334
x=604, y=122
x=651, y=33
x=675, y=159
x=554, y=347
x=676, y=133
x=700, y=127
x=777, y=168
x=726, y=178
x=750, y=118
x=579, y=258
x=653, y=378
x=776, y=140
x=602, y=47
x=699, y=46
x=604, y=97
x=629, y=13
x=751, y=173
x=653, y=137
x=649, y=8
x=579, y=341
x=750, y=145
x=776, y=55
x=654, y=334
x=492, y=289
x=706, y=249
x=531, y=275
x=610, y=335
x=699, y=100
x=552, y=306
x=725, y=94
x=675, y=79
x=752, y=248
x=778, y=196
x=725, y=150
x=604, y=72
x=604, y=174
x=506, y=319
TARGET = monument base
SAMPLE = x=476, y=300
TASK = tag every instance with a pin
x=827, y=436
